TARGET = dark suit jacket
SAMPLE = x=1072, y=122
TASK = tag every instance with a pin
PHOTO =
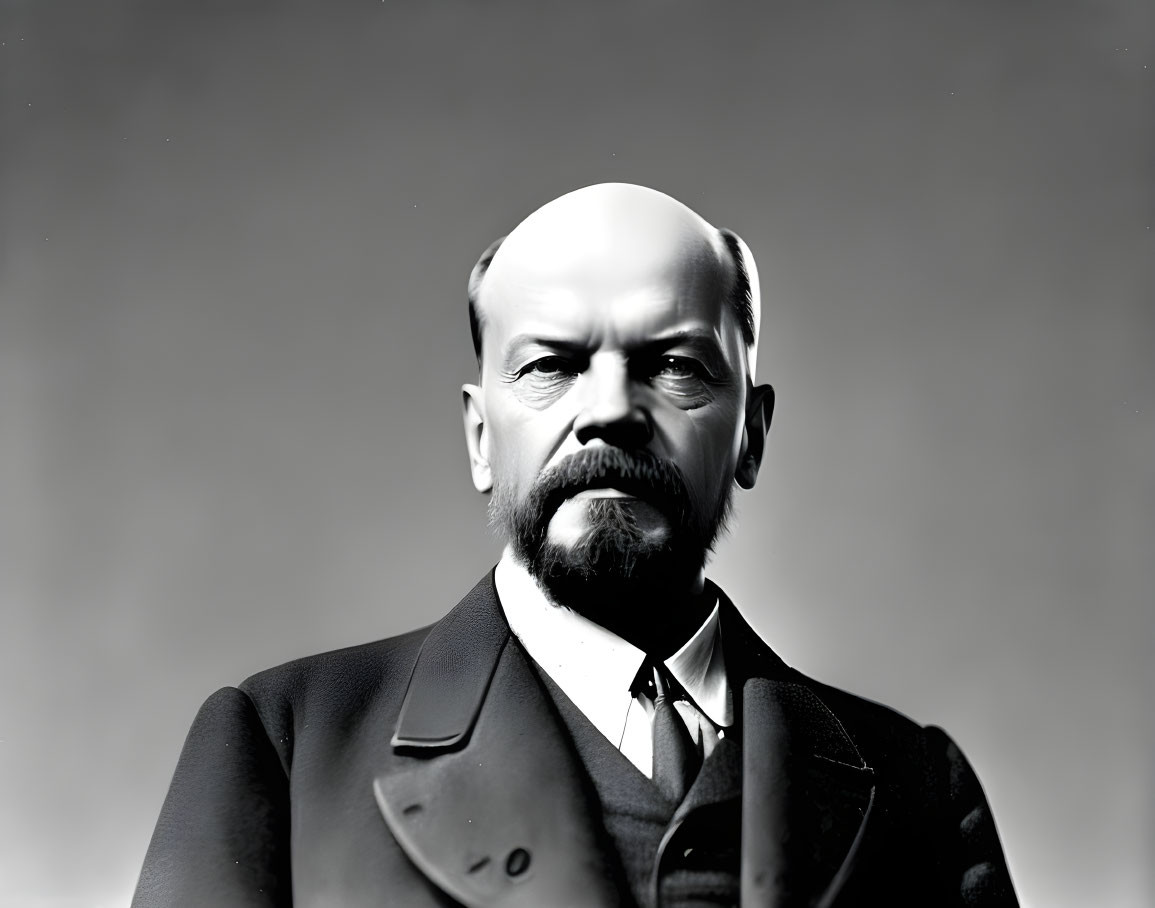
x=432, y=769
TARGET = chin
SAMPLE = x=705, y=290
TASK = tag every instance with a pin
x=610, y=555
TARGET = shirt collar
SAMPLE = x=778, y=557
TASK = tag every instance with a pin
x=701, y=670
x=595, y=667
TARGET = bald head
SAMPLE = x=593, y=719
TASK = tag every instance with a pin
x=610, y=237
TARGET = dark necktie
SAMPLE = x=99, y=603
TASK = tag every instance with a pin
x=677, y=757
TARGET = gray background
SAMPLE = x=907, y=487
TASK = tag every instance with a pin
x=235, y=238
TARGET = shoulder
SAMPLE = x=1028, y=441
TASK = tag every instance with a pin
x=350, y=671
x=329, y=693
x=868, y=722
x=925, y=773
x=918, y=766
x=890, y=741
x=336, y=697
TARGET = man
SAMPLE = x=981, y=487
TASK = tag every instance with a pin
x=594, y=724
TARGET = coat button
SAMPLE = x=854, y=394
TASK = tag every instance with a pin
x=518, y=862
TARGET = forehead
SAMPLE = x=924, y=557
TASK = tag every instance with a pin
x=611, y=287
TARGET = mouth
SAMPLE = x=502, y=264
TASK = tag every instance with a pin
x=607, y=492
x=607, y=486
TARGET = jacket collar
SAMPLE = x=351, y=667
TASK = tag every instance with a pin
x=452, y=675
x=482, y=788
x=806, y=791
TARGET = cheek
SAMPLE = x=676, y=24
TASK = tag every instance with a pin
x=517, y=452
x=525, y=436
x=507, y=469
x=709, y=453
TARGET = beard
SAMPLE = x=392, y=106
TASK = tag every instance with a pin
x=615, y=556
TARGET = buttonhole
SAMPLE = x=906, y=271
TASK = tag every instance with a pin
x=518, y=862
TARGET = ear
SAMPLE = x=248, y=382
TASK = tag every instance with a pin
x=759, y=412
x=476, y=441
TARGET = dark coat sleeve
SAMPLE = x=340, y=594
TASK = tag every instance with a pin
x=223, y=834
x=972, y=856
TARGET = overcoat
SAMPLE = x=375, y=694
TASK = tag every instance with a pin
x=432, y=769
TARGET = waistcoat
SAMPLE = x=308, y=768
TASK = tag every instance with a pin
x=670, y=855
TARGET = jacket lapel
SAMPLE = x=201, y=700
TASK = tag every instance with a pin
x=807, y=794
x=481, y=787
x=806, y=798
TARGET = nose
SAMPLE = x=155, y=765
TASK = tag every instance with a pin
x=610, y=410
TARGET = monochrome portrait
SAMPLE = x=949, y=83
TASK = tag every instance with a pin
x=640, y=454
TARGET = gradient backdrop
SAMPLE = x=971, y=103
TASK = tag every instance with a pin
x=233, y=250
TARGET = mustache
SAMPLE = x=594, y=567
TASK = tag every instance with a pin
x=640, y=474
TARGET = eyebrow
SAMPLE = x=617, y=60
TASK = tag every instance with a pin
x=703, y=340
x=525, y=340
x=529, y=340
x=691, y=337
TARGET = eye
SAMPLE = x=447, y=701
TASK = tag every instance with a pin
x=544, y=380
x=684, y=380
x=548, y=367
x=679, y=367
x=676, y=369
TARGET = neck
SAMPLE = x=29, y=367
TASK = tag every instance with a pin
x=659, y=625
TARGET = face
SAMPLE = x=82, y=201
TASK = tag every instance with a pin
x=611, y=418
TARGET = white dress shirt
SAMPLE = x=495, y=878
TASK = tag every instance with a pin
x=595, y=667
